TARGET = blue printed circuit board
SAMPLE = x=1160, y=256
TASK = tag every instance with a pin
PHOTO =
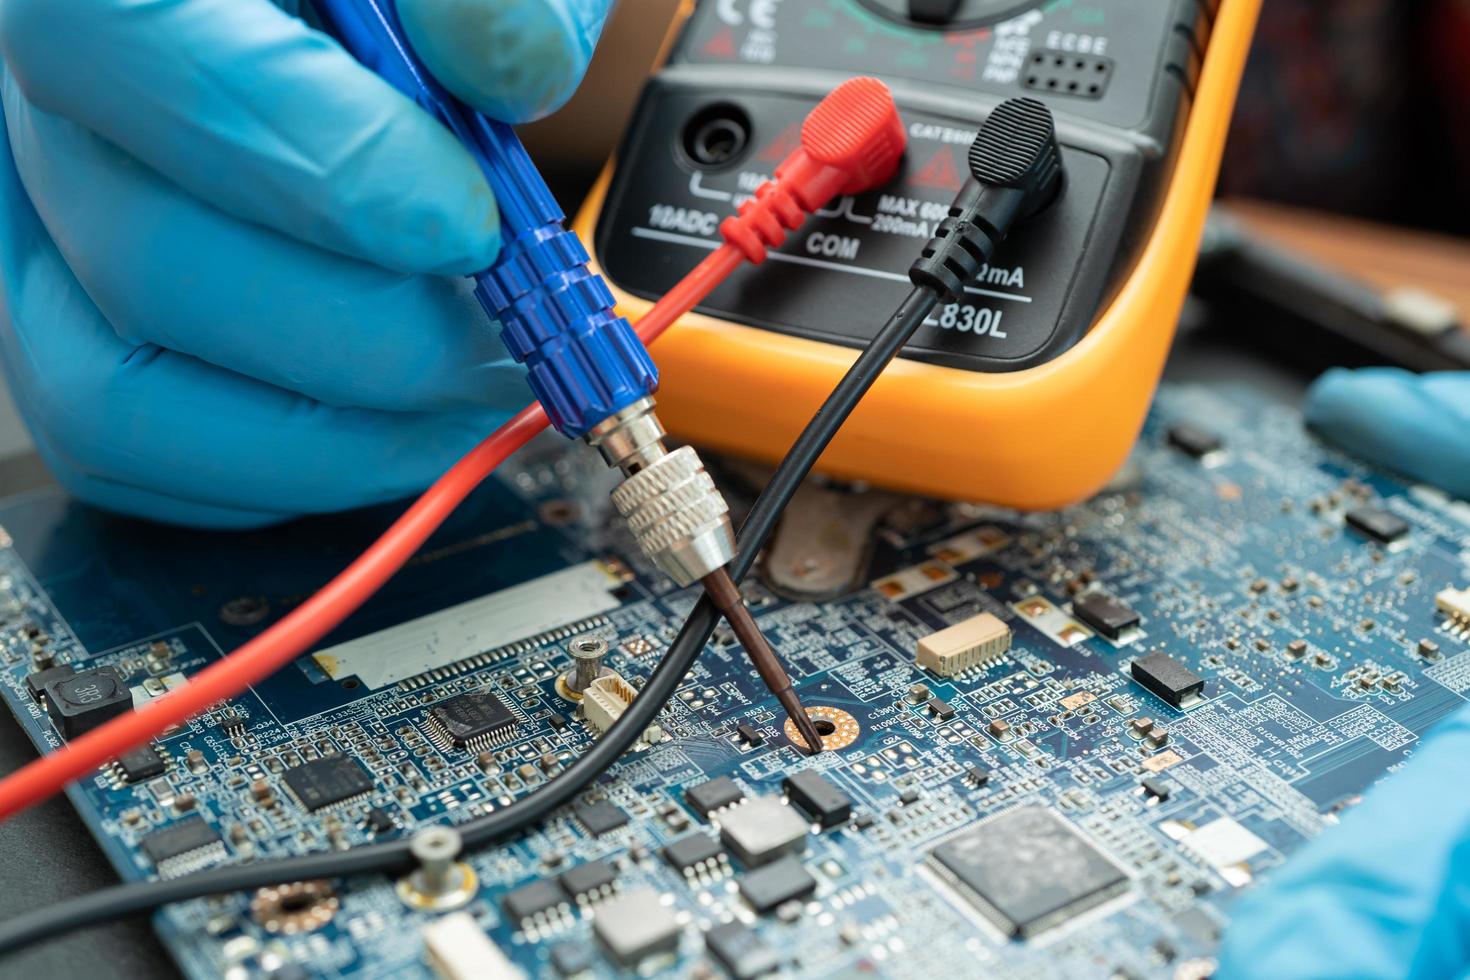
x=1297, y=584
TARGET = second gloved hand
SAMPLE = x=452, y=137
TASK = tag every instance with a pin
x=229, y=253
x=1387, y=894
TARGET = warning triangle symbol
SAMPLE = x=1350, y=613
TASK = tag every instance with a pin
x=782, y=146
x=940, y=171
x=722, y=45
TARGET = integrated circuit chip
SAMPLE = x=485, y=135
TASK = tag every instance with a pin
x=589, y=882
x=776, y=884
x=693, y=853
x=527, y=901
x=1109, y=616
x=141, y=764
x=1169, y=679
x=601, y=817
x=178, y=839
x=472, y=722
x=1380, y=525
x=1027, y=870
x=327, y=782
x=741, y=950
x=811, y=791
x=707, y=797
x=1192, y=440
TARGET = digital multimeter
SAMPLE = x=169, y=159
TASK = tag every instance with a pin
x=1030, y=390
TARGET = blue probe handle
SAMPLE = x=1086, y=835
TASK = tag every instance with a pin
x=585, y=362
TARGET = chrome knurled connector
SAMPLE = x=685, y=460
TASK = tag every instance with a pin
x=670, y=502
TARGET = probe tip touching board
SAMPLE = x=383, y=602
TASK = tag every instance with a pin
x=1087, y=790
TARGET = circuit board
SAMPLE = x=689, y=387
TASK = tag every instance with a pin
x=1187, y=678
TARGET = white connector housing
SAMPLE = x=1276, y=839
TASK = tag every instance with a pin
x=605, y=700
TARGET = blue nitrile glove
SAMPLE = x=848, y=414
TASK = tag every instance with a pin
x=225, y=248
x=1387, y=893
x=1418, y=424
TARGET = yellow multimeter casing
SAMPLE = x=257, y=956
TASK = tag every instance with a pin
x=1035, y=414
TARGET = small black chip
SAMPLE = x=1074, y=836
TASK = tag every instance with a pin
x=472, y=722
x=741, y=950
x=826, y=804
x=536, y=898
x=750, y=736
x=589, y=882
x=1105, y=614
x=1026, y=870
x=1193, y=441
x=689, y=853
x=378, y=822
x=141, y=764
x=82, y=701
x=601, y=817
x=977, y=776
x=1380, y=525
x=178, y=839
x=708, y=797
x=328, y=781
x=1169, y=679
x=776, y=884
x=941, y=709
x=36, y=683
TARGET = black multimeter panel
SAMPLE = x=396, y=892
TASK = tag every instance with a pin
x=719, y=117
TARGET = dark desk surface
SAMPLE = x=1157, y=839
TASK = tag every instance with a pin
x=47, y=854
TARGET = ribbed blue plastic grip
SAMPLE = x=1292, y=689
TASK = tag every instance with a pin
x=585, y=361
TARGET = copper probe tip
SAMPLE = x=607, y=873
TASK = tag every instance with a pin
x=726, y=597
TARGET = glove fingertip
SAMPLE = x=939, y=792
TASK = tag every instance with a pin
x=1395, y=418
x=514, y=60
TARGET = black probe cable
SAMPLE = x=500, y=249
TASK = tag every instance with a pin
x=1017, y=137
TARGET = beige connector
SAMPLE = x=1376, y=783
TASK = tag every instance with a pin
x=979, y=640
x=605, y=700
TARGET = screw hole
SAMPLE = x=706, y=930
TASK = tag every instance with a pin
x=824, y=726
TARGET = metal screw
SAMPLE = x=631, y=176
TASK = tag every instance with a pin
x=435, y=848
x=587, y=656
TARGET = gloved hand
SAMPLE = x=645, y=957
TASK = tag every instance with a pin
x=225, y=248
x=1387, y=893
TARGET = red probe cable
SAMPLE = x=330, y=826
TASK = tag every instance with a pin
x=851, y=141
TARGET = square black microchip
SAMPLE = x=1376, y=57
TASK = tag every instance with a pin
x=1193, y=441
x=1380, y=525
x=589, y=881
x=175, y=840
x=825, y=803
x=741, y=950
x=1169, y=679
x=708, y=797
x=326, y=782
x=141, y=763
x=1102, y=612
x=777, y=883
x=601, y=817
x=534, y=899
x=473, y=721
x=1026, y=870
x=688, y=853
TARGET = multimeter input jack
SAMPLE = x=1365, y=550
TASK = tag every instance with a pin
x=716, y=136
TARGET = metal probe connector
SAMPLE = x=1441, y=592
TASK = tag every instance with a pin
x=670, y=503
